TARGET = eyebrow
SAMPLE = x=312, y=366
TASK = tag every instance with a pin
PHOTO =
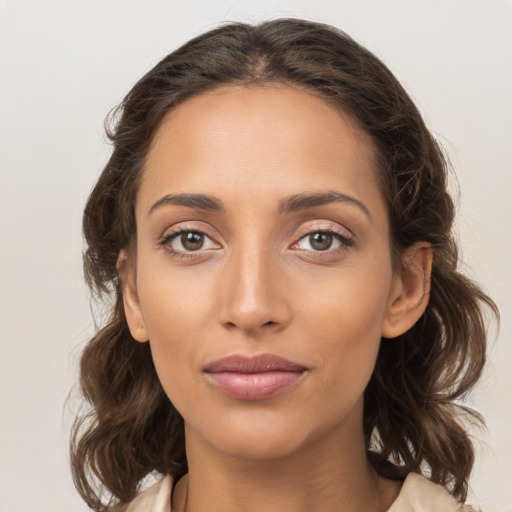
x=290, y=204
x=302, y=201
x=201, y=201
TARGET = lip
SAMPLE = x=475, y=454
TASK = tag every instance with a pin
x=253, y=378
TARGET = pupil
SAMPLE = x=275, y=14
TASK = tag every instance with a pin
x=192, y=240
x=320, y=241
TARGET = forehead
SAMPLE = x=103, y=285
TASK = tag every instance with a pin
x=258, y=140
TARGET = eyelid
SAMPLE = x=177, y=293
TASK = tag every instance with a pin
x=323, y=226
x=180, y=227
x=170, y=234
x=344, y=236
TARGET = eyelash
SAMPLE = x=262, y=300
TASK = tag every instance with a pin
x=167, y=239
x=345, y=240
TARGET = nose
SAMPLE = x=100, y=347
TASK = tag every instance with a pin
x=253, y=296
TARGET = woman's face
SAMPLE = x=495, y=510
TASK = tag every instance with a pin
x=263, y=278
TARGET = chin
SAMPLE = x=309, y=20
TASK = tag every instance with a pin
x=260, y=448
x=258, y=436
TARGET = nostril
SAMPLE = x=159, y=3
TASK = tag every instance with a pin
x=233, y=325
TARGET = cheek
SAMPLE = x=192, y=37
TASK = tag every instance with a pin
x=177, y=310
x=163, y=312
x=345, y=325
x=349, y=301
x=174, y=304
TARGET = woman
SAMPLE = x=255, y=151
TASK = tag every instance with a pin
x=289, y=330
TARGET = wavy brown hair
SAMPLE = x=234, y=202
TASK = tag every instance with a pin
x=412, y=418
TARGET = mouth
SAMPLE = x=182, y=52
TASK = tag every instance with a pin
x=253, y=378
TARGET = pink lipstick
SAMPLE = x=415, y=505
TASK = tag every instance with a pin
x=253, y=378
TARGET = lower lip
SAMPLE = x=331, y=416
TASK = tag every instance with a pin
x=253, y=386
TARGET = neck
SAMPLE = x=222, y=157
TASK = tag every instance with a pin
x=315, y=478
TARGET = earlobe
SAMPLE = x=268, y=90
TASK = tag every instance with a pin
x=411, y=291
x=132, y=309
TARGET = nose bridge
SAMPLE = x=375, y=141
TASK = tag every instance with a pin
x=252, y=295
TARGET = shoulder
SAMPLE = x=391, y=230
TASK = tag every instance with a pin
x=156, y=498
x=418, y=494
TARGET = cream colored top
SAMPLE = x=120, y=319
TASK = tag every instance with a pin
x=417, y=495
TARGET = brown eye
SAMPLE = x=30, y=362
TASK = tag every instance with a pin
x=192, y=240
x=320, y=241
x=328, y=241
x=188, y=242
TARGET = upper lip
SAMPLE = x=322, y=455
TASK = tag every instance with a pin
x=253, y=364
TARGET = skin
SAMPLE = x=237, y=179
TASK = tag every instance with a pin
x=260, y=285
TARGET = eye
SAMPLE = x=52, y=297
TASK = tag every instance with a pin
x=186, y=241
x=324, y=240
x=320, y=241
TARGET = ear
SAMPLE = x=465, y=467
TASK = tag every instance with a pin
x=410, y=292
x=132, y=310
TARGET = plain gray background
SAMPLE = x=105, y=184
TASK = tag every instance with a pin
x=65, y=63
